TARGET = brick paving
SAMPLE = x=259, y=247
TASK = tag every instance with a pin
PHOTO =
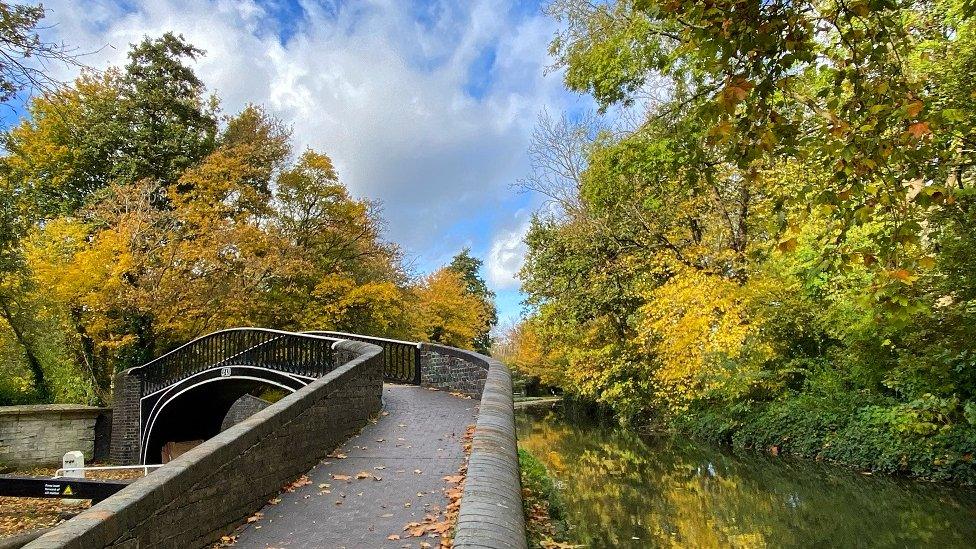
x=422, y=431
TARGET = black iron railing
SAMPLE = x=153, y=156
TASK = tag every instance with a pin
x=308, y=355
x=401, y=359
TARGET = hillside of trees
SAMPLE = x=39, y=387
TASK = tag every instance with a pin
x=777, y=249
x=137, y=215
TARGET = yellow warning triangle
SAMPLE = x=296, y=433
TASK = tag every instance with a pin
x=67, y=491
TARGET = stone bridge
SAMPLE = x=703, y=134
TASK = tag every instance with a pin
x=337, y=385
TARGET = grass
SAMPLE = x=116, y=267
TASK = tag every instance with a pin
x=545, y=519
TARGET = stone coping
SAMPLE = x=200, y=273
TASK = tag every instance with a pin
x=491, y=513
x=19, y=540
x=52, y=409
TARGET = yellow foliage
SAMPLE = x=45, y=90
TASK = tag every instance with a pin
x=525, y=350
x=446, y=312
x=691, y=322
x=343, y=304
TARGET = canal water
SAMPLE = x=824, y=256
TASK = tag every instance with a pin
x=620, y=489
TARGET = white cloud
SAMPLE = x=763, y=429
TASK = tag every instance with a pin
x=506, y=256
x=379, y=90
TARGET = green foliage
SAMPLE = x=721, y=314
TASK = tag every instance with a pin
x=468, y=266
x=909, y=438
x=545, y=517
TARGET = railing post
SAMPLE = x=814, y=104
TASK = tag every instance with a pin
x=416, y=365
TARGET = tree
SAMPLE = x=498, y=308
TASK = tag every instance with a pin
x=172, y=123
x=24, y=57
x=150, y=121
x=468, y=267
x=447, y=312
x=342, y=274
x=775, y=254
x=839, y=87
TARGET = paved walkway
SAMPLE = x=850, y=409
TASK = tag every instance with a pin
x=406, y=454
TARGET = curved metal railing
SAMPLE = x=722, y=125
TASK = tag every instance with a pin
x=308, y=354
x=401, y=359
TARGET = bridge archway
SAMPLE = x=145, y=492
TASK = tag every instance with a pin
x=144, y=414
x=194, y=408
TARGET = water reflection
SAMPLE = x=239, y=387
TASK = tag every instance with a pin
x=621, y=490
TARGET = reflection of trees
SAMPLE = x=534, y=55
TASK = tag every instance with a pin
x=670, y=492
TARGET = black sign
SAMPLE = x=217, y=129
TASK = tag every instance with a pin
x=81, y=488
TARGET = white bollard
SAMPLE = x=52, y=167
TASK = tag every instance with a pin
x=73, y=459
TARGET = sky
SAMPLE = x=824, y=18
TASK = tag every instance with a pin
x=427, y=107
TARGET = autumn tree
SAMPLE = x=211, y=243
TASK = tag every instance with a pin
x=136, y=225
x=447, y=312
x=779, y=239
x=344, y=276
x=468, y=267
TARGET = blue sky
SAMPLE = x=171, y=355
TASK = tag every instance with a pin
x=425, y=106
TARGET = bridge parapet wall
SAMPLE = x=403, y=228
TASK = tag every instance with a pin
x=453, y=369
x=491, y=513
x=204, y=493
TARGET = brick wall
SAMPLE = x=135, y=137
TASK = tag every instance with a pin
x=452, y=369
x=204, y=493
x=125, y=419
x=41, y=434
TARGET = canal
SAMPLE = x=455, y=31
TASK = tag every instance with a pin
x=620, y=489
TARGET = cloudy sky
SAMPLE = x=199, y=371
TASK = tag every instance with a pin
x=425, y=106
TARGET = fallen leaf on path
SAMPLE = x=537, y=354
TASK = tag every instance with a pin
x=298, y=483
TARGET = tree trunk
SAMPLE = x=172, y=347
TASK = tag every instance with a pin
x=33, y=363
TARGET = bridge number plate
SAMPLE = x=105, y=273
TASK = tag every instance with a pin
x=225, y=372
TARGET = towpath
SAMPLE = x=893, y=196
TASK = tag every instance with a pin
x=389, y=475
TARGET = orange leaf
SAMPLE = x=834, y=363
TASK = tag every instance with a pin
x=903, y=275
x=919, y=130
x=914, y=108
